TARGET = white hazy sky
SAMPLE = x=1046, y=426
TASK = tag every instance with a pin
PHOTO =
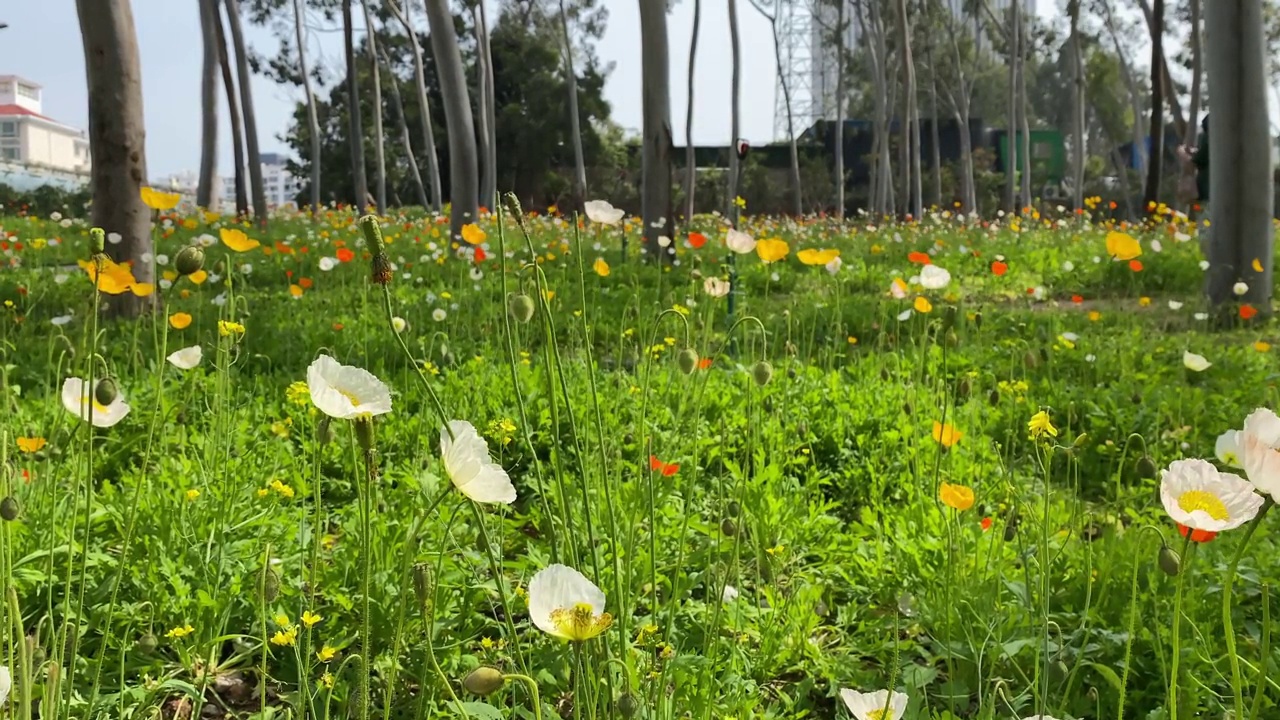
x=43, y=44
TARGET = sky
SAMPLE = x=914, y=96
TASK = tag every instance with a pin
x=42, y=44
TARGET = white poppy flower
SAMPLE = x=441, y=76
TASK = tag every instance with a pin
x=739, y=242
x=114, y=238
x=345, y=392
x=399, y=324
x=78, y=399
x=933, y=277
x=729, y=594
x=1202, y=316
x=439, y=314
x=872, y=706
x=327, y=264
x=715, y=287
x=55, y=216
x=1156, y=246
x=1240, y=288
x=1175, y=305
x=1090, y=358
x=1068, y=266
x=207, y=240
x=834, y=266
x=1227, y=448
x=600, y=211
x=1194, y=362
x=186, y=358
x=162, y=259
x=472, y=471
x=1199, y=497
x=477, y=274
x=564, y=603
x=905, y=315
x=1070, y=337
x=62, y=320
x=1259, y=451
x=1204, y=264
x=664, y=241
x=61, y=278
x=6, y=684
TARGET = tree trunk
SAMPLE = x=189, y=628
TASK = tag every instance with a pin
x=1135, y=95
x=206, y=184
x=424, y=107
x=793, y=182
x=1151, y=193
x=313, y=119
x=490, y=187
x=840, y=99
x=355, y=124
x=690, y=157
x=379, y=147
x=1077, y=109
x=1027, y=196
x=397, y=107
x=911, y=155
x=575, y=122
x=250, y=118
x=233, y=110
x=1166, y=79
x=464, y=181
x=1197, y=78
x=936, y=134
x=1011, y=135
x=1240, y=176
x=482, y=109
x=735, y=112
x=117, y=138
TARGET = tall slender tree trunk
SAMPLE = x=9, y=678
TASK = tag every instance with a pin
x=490, y=187
x=233, y=110
x=424, y=107
x=575, y=121
x=1135, y=95
x=910, y=155
x=1197, y=77
x=735, y=112
x=250, y=118
x=793, y=178
x=379, y=146
x=1027, y=197
x=464, y=180
x=1240, y=174
x=840, y=100
x=1166, y=78
x=117, y=137
x=313, y=118
x=1151, y=192
x=690, y=156
x=1011, y=136
x=1077, y=109
x=206, y=183
x=355, y=123
x=482, y=109
x=397, y=108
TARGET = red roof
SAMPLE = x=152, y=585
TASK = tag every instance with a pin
x=19, y=110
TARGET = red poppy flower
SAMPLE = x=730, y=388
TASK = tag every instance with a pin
x=1247, y=312
x=667, y=469
x=305, y=283
x=1200, y=536
x=337, y=327
x=986, y=524
x=288, y=274
x=1135, y=265
x=704, y=363
x=345, y=255
x=999, y=268
x=480, y=255
x=1077, y=299
x=920, y=258
x=697, y=240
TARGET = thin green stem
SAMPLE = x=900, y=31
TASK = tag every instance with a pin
x=1175, y=661
x=1228, y=627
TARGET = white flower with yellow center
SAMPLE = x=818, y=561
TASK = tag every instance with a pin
x=1227, y=448
x=564, y=603
x=470, y=469
x=877, y=705
x=1259, y=451
x=739, y=242
x=78, y=399
x=1200, y=498
x=933, y=277
x=600, y=211
x=715, y=287
x=186, y=358
x=344, y=392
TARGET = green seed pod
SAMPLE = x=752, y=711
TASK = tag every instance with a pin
x=147, y=644
x=483, y=681
x=521, y=307
x=906, y=408
x=884, y=374
x=1146, y=467
x=629, y=706
x=38, y=654
x=373, y=234
x=963, y=388
x=1169, y=561
x=324, y=431
x=364, y=434
x=10, y=508
x=977, y=320
x=106, y=392
x=189, y=260
x=949, y=316
x=728, y=527
x=422, y=583
x=1011, y=526
x=993, y=397
x=97, y=241
x=687, y=359
x=733, y=508
x=952, y=339
x=270, y=586
x=1081, y=440
x=1030, y=359
x=762, y=371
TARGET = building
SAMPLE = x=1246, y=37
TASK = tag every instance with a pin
x=280, y=187
x=32, y=140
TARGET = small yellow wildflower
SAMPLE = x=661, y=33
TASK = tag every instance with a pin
x=310, y=619
x=282, y=620
x=192, y=494
x=31, y=444
x=326, y=653
x=285, y=638
x=1040, y=425
x=180, y=632
x=226, y=328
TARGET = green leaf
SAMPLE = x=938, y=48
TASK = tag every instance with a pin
x=483, y=711
x=1107, y=674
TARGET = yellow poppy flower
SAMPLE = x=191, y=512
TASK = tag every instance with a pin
x=772, y=249
x=198, y=277
x=923, y=305
x=31, y=444
x=161, y=201
x=1122, y=246
x=945, y=434
x=237, y=240
x=956, y=497
x=809, y=256
x=601, y=267
x=473, y=234
x=179, y=321
x=114, y=278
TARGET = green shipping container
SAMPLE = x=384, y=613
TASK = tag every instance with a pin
x=1048, y=155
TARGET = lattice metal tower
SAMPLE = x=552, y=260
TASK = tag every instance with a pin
x=796, y=57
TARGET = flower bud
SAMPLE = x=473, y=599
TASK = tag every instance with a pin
x=422, y=583
x=628, y=706
x=373, y=234
x=483, y=681
x=1146, y=467
x=1030, y=360
x=324, y=431
x=963, y=388
x=521, y=307
x=733, y=508
x=762, y=371
x=147, y=644
x=105, y=392
x=270, y=586
x=1011, y=526
x=993, y=397
x=688, y=360
x=10, y=508
x=1169, y=561
x=364, y=434
x=97, y=241
x=728, y=527
x=1081, y=440
x=189, y=260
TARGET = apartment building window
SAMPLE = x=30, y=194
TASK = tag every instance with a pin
x=10, y=153
x=28, y=91
x=8, y=129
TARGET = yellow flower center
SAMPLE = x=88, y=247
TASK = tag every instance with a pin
x=1193, y=500
x=580, y=622
x=876, y=714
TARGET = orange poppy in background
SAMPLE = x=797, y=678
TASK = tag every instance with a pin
x=667, y=469
x=1135, y=265
x=919, y=258
x=999, y=268
x=697, y=240
x=1247, y=312
x=345, y=255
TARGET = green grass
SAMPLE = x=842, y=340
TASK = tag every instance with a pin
x=220, y=504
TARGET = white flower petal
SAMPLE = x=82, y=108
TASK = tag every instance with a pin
x=600, y=211
x=560, y=587
x=1194, y=362
x=933, y=277
x=865, y=706
x=186, y=358
x=1233, y=492
x=345, y=392
x=77, y=398
x=470, y=469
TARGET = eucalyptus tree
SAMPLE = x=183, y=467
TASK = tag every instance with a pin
x=464, y=180
x=247, y=111
x=208, y=176
x=424, y=107
x=655, y=63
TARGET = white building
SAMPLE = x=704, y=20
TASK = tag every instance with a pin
x=280, y=187
x=30, y=139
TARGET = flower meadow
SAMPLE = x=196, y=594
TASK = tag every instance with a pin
x=349, y=466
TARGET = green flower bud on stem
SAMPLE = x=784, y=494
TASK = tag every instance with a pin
x=381, y=265
x=1169, y=561
x=364, y=434
x=521, y=307
x=105, y=392
x=10, y=508
x=762, y=371
x=483, y=681
x=1146, y=467
x=189, y=260
x=97, y=241
x=688, y=360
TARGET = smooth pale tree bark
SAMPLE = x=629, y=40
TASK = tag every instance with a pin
x=1166, y=79
x=1151, y=191
x=233, y=110
x=691, y=157
x=250, y=118
x=379, y=148
x=117, y=138
x=959, y=96
x=424, y=108
x=735, y=110
x=1011, y=135
x=482, y=109
x=397, y=107
x=1240, y=176
x=935, y=133
x=464, y=175
x=575, y=122
x=355, y=124
x=206, y=183
x=1135, y=95
x=1078, y=150
x=655, y=63
x=490, y=186
x=313, y=118
x=1023, y=119
x=1197, y=77
x=910, y=125
x=840, y=100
